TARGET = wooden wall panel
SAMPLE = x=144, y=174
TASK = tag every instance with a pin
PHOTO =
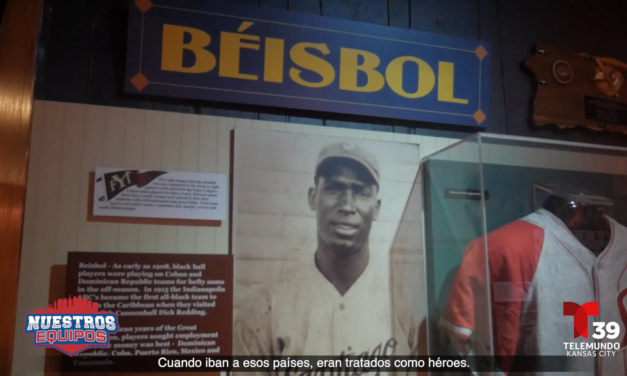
x=399, y=13
x=18, y=45
x=64, y=76
x=489, y=31
x=374, y=11
x=464, y=19
x=371, y=11
x=310, y=7
x=304, y=6
x=592, y=27
x=458, y=18
x=277, y=4
x=231, y=110
x=84, y=50
x=107, y=51
x=96, y=75
x=281, y=5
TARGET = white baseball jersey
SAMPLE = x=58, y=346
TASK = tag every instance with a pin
x=537, y=264
x=305, y=315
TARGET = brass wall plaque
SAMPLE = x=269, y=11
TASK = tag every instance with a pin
x=578, y=89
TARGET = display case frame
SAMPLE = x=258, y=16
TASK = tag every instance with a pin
x=505, y=169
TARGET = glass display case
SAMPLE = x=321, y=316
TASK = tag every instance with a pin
x=546, y=220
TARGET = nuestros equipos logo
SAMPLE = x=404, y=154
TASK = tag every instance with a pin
x=71, y=326
x=603, y=331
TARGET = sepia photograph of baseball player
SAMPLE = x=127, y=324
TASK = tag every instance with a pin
x=337, y=298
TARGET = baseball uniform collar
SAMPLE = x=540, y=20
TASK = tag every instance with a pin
x=554, y=225
x=369, y=277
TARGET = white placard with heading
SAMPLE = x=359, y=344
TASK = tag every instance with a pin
x=120, y=192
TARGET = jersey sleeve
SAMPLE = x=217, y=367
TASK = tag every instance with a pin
x=467, y=294
x=514, y=253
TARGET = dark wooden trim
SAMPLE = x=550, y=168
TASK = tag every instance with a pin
x=18, y=45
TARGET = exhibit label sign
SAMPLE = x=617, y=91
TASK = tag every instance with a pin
x=123, y=192
x=253, y=55
x=167, y=304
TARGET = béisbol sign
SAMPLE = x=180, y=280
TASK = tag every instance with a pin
x=231, y=53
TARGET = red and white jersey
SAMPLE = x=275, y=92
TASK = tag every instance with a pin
x=537, y=264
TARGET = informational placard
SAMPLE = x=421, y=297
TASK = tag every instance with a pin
x=120, y=192
x=605, y=111
x=167, y=304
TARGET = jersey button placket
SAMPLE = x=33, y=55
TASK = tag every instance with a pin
x=338, y=327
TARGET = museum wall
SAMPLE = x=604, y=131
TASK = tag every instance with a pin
x=83, y=120
x=71, y=140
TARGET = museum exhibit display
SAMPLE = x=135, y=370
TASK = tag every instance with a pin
x=546, y=219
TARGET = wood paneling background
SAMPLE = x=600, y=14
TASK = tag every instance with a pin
x=18, y=45
x=83, y=61
x=83, y=55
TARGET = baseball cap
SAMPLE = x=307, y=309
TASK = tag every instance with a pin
x=349, y=150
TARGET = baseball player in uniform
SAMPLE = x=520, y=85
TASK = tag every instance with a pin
x=339, y=300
